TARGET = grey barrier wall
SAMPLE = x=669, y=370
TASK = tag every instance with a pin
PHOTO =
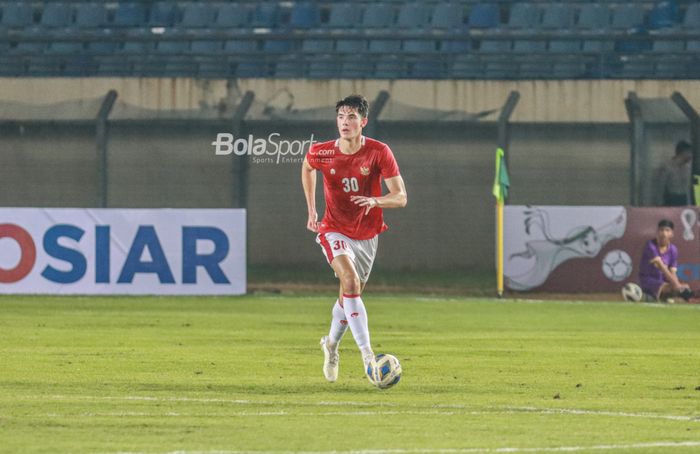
x=448, y=168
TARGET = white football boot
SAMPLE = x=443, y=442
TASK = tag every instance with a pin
x=331, y=358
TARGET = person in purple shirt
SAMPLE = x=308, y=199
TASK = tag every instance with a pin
x=657, y=270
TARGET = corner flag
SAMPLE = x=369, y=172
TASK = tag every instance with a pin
x=501, y=183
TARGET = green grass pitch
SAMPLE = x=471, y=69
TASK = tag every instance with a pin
x=157, y=375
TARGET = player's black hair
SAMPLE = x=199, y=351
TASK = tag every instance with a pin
x=683, y=146
x=665, y=223
x=356, y=102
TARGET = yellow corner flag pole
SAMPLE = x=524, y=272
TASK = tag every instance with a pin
x=501, y=184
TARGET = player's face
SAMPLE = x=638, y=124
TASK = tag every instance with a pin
x=350, y=123
x=664, y=235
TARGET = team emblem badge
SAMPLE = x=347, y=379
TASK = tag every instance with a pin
x=364, y=171
x=332, y=171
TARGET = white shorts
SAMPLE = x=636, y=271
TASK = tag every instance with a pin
x=361, y=252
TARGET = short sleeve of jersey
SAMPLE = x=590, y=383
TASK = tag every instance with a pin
x=673, y=257
x=312, y=157
x=650, y=252
x=387, y=164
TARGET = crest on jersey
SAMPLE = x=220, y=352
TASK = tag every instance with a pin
x=332, y=171
x=364, y=171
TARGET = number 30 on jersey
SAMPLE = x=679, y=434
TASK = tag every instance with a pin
x=350, y=184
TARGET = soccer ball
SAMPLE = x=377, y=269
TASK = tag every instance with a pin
x=617, y=265
x=384, y=371
x=632, y=292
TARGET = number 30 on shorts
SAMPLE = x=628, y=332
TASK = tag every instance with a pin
x=339, y=244
x=350, y=184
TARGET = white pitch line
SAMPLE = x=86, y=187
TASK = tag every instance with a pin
x=608, y=447
x=419, y=410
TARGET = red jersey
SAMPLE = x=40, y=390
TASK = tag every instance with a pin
x=347, y=175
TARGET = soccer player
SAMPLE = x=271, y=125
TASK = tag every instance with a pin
x=657, y=270
x=352, y=167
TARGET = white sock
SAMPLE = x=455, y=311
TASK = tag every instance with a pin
x=338, y=326
x=356, y=315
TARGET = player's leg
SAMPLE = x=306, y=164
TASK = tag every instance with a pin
x=354, y=307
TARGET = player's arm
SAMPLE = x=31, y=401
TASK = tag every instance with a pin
x=308, y=181
x=396, y=198
x=669, y=273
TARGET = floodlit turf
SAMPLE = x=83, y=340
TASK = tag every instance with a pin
x=159, y=375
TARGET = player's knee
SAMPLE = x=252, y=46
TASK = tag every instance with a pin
x=351, y=284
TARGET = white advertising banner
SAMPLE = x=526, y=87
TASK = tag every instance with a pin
x=122, y=251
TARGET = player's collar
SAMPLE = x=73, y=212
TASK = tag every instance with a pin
x=362, y=141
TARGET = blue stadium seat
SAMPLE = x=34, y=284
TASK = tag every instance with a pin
x=29, y=48
x=137, y=47
x=564, y=46
x=664, y=14
x=388, y=68
x=172, y=47
x=534, y=70
x=197, y=15
x=467, y=67
x=627, y=16
x=17, y=15
x=214, y=69
x=447, y=15
x=495, y=46
x=252, y=69
x=232, y=15
x=692, y=46
x=670, y=70
x=524, y=15
x=163, y=14
x=112, y=67
x=90, y=15
x=78, y=65
x=290, y=69
x=129, y=15
x=351, y=46
x=378, y=15
x=568, y=70
x=265, y=15
x=317, y=46
x=65, y=47
x=598, y=46
x=237, y=46
x=434, y=69
x=526, y=46
x=641, y=44
x=593, y=16
x=413, y=15
x=484, y=15
x=355, y=68
x=419, y=46
x=384, y=46
x=277, y=46
x=206, y=47
x=324, y=69
x=56, y=15
x=558, y=16
x=344, y=15
x=12, y=66
x=636, y=69
x=455, y=46
x=691, y=20
x=101, y=47
x=501, y=70
x=305, y=15
x=668, y=45
x=43, y=67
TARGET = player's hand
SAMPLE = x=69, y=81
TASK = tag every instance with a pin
x=313, y=224
x=367, y=202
